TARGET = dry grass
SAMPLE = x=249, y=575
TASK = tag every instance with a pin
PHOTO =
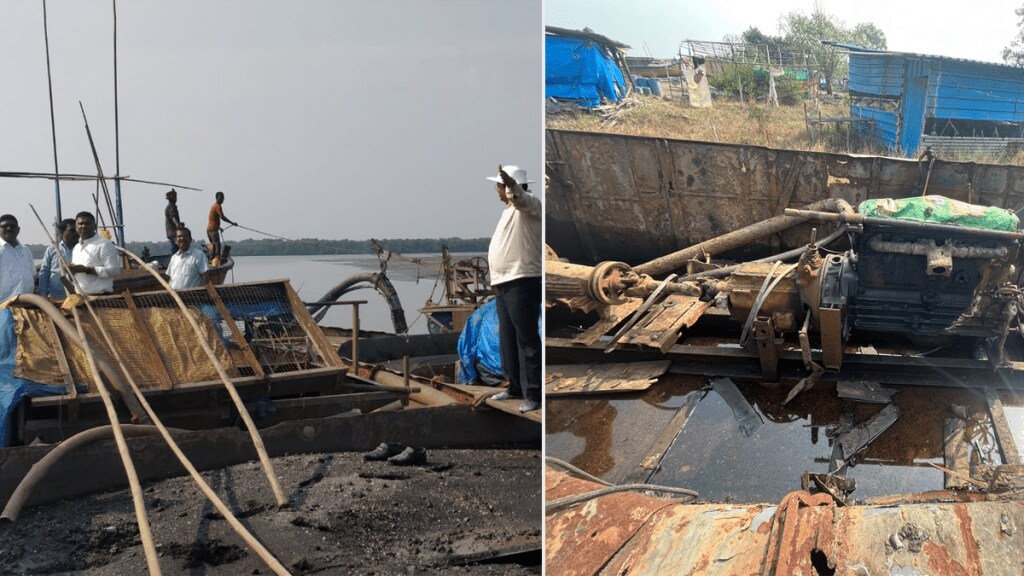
x=732, y=122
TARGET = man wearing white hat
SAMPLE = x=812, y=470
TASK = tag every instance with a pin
x=514, y=259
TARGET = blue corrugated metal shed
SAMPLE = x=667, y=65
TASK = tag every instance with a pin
x=903, y=93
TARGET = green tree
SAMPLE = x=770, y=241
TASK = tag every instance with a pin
x=1014, y=53
x=807, y=32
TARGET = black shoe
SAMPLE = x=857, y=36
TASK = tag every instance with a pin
x=383, y=452
x=409, y=457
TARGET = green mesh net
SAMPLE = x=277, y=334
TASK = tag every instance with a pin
x=941, y=210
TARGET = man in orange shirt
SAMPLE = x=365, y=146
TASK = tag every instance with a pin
x=213, y=228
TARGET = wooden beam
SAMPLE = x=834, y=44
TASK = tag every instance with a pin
x=312, y=329
x=1006, y=442
x=58, y=351
x=148, y=343
x=235, y=332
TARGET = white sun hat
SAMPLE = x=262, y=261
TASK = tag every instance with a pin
x=518, y=174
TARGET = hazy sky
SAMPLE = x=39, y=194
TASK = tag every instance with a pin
x=974, y=29
x=330, y=119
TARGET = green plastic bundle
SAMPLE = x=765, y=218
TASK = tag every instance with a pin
x=941, y=210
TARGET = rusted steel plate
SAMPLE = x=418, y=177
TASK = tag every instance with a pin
x=632, y=198
x=659, y=328
x=580, y=540
x=603, y=378
x=977, y=538
x=704, y=539
x=615, y=314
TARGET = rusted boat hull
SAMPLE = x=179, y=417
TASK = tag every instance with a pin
x=629, y=198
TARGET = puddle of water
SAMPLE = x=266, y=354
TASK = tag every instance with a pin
x=611, y=436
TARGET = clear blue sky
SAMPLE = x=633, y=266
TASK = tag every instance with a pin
x=977, y=30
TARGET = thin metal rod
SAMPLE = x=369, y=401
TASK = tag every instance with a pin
x=90, y=178
x=117, y=146
x=53, y=124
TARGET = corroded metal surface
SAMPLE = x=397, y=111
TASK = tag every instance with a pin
x=804, y=535
x=631, y=198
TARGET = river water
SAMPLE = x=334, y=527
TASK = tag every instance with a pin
x=314, y=276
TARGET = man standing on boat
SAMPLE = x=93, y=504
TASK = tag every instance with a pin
x=171, y=220
x=514, y=259
x=94, y=259
x=50, y=284
x=188, y=267
x=213, y=228
x=17, y=268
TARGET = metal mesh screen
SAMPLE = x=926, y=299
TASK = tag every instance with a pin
x=251, y=328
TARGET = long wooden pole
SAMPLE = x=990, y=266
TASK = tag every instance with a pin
x=257, y=441
x=247, y=536
x=53, y=124
x=145, y=534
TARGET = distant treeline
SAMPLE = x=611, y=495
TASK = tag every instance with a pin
x=314, y=246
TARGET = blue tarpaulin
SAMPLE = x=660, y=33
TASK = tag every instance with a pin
x=480, y=343
x=12, y=388
x=580, y=70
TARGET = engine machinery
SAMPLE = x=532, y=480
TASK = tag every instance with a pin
x=924, y=281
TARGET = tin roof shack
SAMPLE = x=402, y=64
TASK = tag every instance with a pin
x=913, y=101
x=582, y=66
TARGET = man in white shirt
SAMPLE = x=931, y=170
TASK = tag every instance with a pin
x=188, y=267
x=94, y=259
x=17, y=267
x=514, y=260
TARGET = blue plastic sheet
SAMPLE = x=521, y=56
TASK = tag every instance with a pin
x=580, y=70
x=480, y=343
x=12, y=388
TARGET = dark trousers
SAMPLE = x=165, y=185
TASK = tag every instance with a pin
x=518, y=304
x=174, y=245
x=214, y=237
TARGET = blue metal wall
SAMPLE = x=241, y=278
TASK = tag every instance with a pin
x=932, y=87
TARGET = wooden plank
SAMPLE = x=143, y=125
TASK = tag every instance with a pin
x=58, y=351
x=652, y=462
x=955, y=454
x=1003, y=434
x=615, y=314
x=603, y=378
x=239, y=338
x=312, y=329
x=148, y=344
x=660, y=326
x=245, y=381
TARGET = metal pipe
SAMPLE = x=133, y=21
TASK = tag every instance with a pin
x=738, y=238
x=923, y=247
x=795, y=252
x=913, y=225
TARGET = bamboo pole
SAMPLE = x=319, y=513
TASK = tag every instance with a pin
x=272, y=562
x=152, y=561
x=246, y=536
x=257, y=441
x=122, y=446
